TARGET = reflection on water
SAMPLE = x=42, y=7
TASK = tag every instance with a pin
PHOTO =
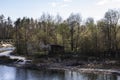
x=12, y=73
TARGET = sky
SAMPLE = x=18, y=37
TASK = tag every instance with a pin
x=35, y=8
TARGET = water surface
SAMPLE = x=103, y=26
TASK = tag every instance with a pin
x=12, y=73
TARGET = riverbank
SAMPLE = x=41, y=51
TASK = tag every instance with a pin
x=69, y=68
x=62, y=67
x=106, y=67
x=84, y=67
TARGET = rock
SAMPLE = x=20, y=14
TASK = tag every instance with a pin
x=6, y=60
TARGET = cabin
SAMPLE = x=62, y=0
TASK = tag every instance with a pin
x=55, y=49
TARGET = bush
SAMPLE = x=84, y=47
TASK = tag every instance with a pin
x=6, y=60
x=39, y=54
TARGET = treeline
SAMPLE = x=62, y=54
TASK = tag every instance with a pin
x=6, y=28
x=90, y=37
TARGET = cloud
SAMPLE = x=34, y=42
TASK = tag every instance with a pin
x=54, y=4
x=61, y=4
x=104, y=2
x=67, y=0
x=64, y=5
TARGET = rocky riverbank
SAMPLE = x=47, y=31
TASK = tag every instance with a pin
x=56, y=66
x=84, y=67
x=107, y=67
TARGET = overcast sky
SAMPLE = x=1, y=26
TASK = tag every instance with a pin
x=34, y=8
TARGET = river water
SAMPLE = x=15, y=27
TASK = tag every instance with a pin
x=13, y=73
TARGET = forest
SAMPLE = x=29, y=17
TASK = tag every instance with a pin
x=80, y=37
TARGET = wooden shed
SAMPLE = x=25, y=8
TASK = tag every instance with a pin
x=56, y=49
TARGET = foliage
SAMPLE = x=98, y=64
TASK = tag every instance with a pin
x=33, y=35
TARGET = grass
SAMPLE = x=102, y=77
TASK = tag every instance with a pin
x=39, y=54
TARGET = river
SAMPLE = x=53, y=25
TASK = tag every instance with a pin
x=13, y=73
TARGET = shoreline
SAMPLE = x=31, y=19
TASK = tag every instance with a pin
x=68, y=68
x=107, y=67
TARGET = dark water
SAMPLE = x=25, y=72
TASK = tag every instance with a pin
x=12, y=73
